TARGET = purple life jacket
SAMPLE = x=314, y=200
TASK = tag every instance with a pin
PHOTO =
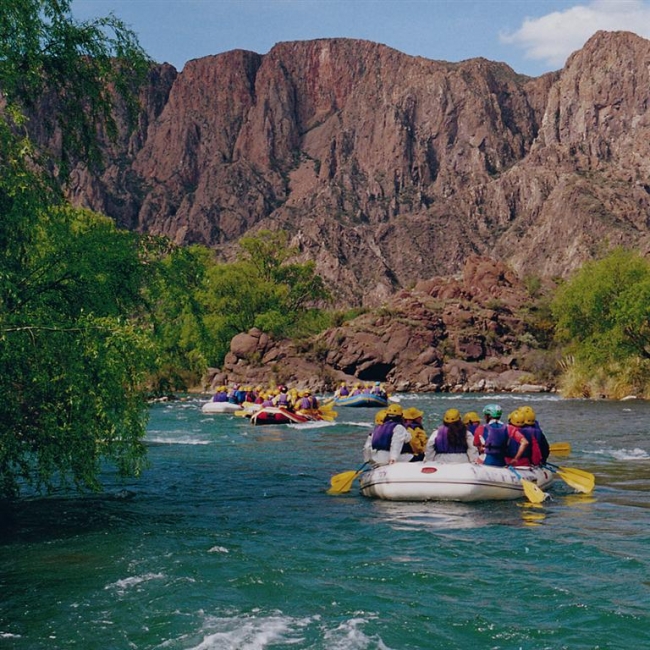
x=443, y=446
x=382, y=436
x=496, y=443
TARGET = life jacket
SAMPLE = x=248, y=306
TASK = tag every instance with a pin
x=343, y=391
x=480, y=434
x=283, y=400
x=221, y=396
x=536, y=444
x=418, y=439
x=383, y=435
x=513, y=446
x=496, y=442
x=303, y=404
x=443, y=446
x=472, y=427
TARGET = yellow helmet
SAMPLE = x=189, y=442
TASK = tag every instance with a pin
x=470, y=417
x=412, y=413
x=516, y=418
x=451, y=415
x=394, y=409
x=380, y=416
x=529, y=414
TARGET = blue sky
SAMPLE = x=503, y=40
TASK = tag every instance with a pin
x=532, y=36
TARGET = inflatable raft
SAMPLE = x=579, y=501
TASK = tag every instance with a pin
x=362, y=400
x=279, y=415
x=449, y=482
x=220, y=407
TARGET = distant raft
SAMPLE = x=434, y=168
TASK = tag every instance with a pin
x=450, y=482
x=362, y=400
x=220, y=407
x=279, y=415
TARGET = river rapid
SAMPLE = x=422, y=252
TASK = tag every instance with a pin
x=230, y=541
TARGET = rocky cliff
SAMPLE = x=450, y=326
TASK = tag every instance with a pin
x=476, y=332
x=389, y=168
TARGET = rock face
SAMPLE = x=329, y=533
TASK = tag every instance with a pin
x=446, y=334
x=388, y=168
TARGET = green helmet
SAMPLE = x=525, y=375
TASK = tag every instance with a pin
x=493, y=410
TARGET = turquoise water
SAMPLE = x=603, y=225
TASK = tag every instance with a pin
x=229, y=541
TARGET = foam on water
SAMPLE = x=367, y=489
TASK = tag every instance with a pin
x=250, y=632
x=349, y=636
x=175, y=441
x=625, y=454
x=123, y=585
x=258, y=631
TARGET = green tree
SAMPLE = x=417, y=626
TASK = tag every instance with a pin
x=198, y=304
x=72, y=364
x=77, y=67
x=264, y=289
x=603, y=318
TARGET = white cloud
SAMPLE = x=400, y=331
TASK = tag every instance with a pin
x=552, y=38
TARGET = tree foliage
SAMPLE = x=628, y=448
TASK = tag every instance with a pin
x=88, y=312
x=200, y=304
x=603, y=314
x=71, y=363
x=79, y=67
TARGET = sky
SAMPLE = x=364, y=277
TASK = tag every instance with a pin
x=532, y=36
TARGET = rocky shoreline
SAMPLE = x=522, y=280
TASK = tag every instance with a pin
x=468, y=334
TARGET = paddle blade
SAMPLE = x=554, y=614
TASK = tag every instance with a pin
x=328, y=415
x=342, y=482
x=534, y=493
x=560, y=448
x=578, y=479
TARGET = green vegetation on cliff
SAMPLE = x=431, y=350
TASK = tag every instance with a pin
x=603, y=321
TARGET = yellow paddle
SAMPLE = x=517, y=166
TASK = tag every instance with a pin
x=342, y=482
x=533, y=492
x=578, y=479
x=327, y=411
x=560, y=448
x=329, y=416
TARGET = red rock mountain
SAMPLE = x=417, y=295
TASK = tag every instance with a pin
x=389, y=168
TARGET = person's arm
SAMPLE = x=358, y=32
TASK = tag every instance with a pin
x=367, y=448
x=523, y=443
x=400, y=436
x=472, y=451
x=430, y=449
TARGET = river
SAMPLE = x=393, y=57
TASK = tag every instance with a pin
x=229, y=541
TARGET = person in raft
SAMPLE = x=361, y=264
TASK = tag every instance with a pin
x=472, y=420
x=413, y=424
x=342, y=390
x=388, y=442
x=531, y=454
x=452, y=442
x=497, y=438
x=532, y=430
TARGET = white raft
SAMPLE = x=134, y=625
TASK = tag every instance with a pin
x=449, y=482
x=220, y=407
